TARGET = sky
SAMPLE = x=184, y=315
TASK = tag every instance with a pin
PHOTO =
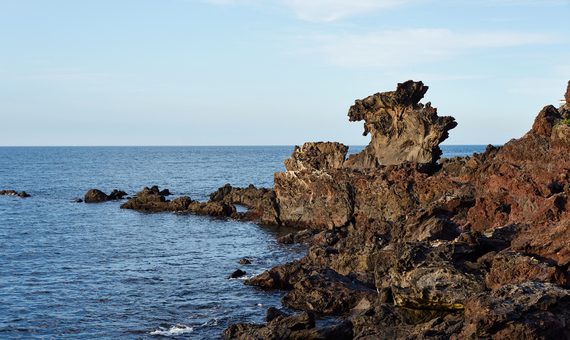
x=270, y=72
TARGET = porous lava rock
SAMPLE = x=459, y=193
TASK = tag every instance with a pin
x=476, y=248
x=317, y=156
x=401, y=128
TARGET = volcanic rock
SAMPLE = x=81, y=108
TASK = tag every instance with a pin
x=476, y=249
x=262, y=203
x=402, y=129
x=317, y=156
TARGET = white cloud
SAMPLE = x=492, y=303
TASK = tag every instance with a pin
x=412, y=46
x=324, y=10
x=329, y=10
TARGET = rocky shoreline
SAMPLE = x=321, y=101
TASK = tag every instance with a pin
x=405, y=247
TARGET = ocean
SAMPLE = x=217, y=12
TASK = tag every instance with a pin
x=93, y=271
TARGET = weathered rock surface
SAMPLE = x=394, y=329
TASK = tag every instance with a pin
x=475, y=250
x=317, y=156
x=402, y=129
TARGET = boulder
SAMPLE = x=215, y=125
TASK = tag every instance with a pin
x=95, y=196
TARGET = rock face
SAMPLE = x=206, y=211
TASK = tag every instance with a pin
x=476, y=250
x=402, y=129
x=317, y=156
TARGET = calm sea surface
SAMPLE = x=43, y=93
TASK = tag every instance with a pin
x=74, y=270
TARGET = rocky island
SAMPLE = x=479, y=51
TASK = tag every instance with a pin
x=404, y=245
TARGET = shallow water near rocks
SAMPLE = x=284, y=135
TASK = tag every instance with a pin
x=75, y=270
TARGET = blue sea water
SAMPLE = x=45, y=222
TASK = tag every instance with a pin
x=94, y=271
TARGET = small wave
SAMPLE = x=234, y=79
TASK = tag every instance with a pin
x=174, y=330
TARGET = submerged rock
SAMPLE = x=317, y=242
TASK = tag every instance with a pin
x=238, y=273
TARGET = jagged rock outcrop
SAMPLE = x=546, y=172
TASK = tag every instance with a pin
x=477, y=249
x=317, y=156
x=154, y=200
x=262, y=202
x=402, y=129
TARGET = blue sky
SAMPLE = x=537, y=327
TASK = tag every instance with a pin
x=273, y=72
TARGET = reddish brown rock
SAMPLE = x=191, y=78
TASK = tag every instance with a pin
x=515, y=268
x=478, y=249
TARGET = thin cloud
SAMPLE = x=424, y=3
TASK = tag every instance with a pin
x=324, y=10
x=412, y=46
x=330, y=10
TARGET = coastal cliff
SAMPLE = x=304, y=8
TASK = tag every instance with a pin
x=405, y=248
x=404, y=245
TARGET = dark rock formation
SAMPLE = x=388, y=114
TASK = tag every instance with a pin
x=238, y=273
x=14, y=193
x=402, y=129
x=97, y=196
x=154, y=200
